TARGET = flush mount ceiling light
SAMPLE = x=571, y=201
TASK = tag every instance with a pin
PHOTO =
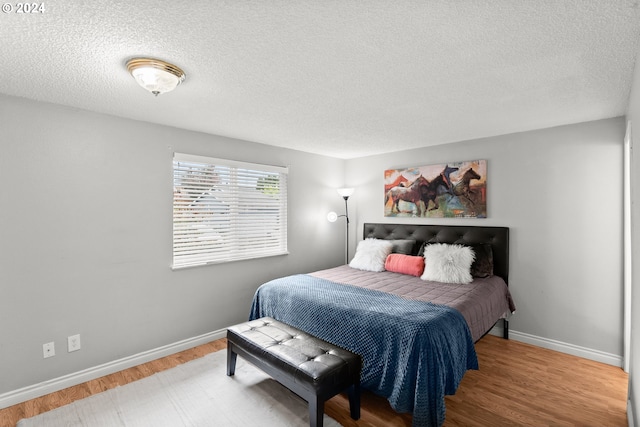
x=155, y=75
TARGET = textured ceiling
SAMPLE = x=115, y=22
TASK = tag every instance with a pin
x=341, y=78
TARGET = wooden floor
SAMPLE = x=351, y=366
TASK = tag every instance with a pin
x=517, y=385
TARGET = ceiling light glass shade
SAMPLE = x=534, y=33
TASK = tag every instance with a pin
x=345, y=192
x=155, y=75
x=332, y=217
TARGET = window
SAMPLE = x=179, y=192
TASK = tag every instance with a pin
x=225, y=210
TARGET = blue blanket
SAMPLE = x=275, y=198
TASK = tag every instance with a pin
x=413, y=352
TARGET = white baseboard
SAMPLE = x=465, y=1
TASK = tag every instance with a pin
x=575, y=350
x=56, y=384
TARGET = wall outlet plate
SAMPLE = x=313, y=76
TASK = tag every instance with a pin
x=73, y=343
x=48, y=349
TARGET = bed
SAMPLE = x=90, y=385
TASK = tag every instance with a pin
x=416, y=336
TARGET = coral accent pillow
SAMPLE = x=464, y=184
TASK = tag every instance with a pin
x=405, y=264
x=448, y=263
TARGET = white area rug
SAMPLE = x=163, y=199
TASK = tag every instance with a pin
x=197, y=393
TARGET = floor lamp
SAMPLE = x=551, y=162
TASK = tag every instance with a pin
x=332, y=217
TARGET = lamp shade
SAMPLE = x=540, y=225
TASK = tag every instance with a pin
x=332, y=217
x=345, y=192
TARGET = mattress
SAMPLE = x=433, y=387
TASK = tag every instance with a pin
x=482, y=302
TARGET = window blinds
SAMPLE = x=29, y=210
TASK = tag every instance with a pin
x=225, y=210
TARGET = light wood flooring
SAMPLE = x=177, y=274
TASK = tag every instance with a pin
x=517, y=385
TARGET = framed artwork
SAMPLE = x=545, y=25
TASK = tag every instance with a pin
x=451, y=190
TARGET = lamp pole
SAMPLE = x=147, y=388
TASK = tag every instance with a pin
x=345, y=193
x=346, y=216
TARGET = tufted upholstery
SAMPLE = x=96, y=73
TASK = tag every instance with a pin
x=497, y=237
x=308, y=366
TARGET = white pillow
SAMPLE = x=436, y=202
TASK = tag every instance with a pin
x=371, y=254
x=448, y=263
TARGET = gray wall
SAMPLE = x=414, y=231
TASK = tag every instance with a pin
x=85, y=232
x=633, y=115
x=560, y=192
x=85, y=238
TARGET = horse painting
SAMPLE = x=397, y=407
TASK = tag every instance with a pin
x=451, y=190
x=400, y=181
x=463, y=188
x=448, y=170
x=429, y=192
x=408, y=193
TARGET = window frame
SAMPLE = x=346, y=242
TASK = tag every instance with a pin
x=227, y=210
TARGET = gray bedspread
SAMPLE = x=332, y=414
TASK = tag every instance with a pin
x=482, y=302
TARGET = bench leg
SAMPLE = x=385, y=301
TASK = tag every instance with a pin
x=231, y=361
x=316, y=412
x=354, y=401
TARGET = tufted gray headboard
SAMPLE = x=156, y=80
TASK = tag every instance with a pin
x=497, y=237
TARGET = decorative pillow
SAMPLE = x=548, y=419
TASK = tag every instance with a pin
x=448, y=263
x=405, y=264
x=421, y=249
x=371, y=254
x=483, y=264
x=403, y=247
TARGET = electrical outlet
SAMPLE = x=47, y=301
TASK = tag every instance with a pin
x=49, y=349
x=73, y=343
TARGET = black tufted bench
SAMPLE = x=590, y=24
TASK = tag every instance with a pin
x=310, y=367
